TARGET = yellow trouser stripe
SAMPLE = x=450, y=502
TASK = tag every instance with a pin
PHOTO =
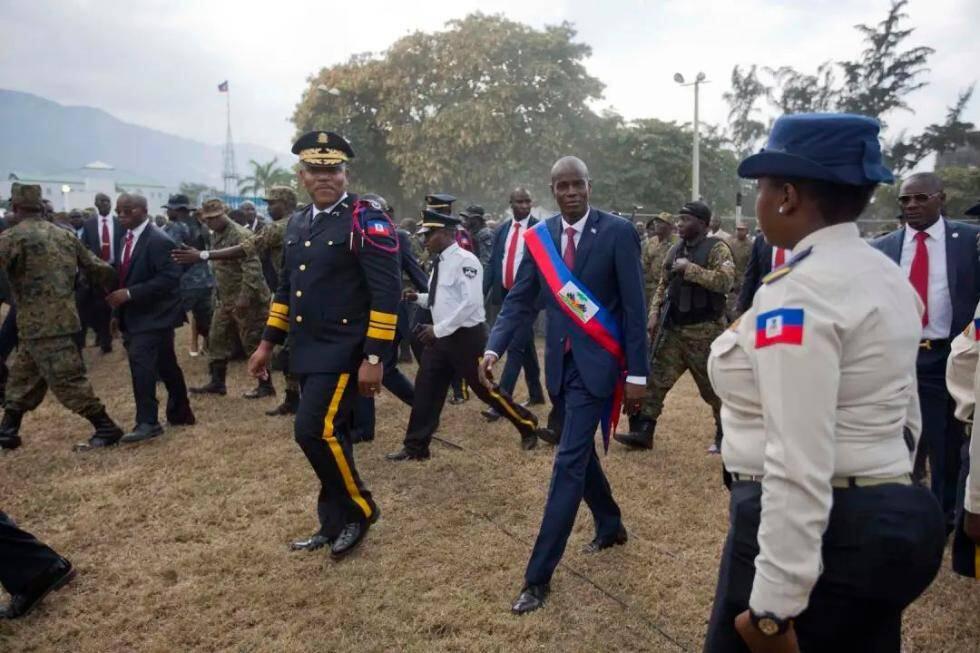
x=510, y=410
x=277, y=323
x=380, y=334
x=337, y=451
x=383, y=318
x=280, y=308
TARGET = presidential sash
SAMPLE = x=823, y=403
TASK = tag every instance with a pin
x=584, y=310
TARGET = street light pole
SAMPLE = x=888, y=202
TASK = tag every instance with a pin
x=696, y=141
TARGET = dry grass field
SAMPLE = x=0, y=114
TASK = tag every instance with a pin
x=181, y=543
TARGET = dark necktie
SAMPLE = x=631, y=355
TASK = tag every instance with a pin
x=434, y=282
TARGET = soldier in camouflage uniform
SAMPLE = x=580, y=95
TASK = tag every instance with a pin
x=475, y=217
x=698, y=273
x=741, y=246
x=267, y=242
x=242, y=303
x=655, y=250
x=41, y=261
x=197, y=282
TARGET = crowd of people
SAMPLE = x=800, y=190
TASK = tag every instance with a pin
x=840, y=375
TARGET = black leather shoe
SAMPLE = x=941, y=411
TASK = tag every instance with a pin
x=547, y=435
x=641, y=438
x=490, y=415
x=348, y=539
x=405, y=454
x=263, y=389
x=95, y=442
x=597, y=545
x=456, y=401
x=288, y=406
x=143, y=432
x=183, y=417
x=529, y=441
x=532, y=597
x=10, y=441
x=312, y=543
x=537, y=401
x=57, y=576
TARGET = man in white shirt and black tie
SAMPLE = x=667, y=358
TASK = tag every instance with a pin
x=102, y=234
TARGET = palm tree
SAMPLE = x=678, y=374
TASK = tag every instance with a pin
x=263, y=177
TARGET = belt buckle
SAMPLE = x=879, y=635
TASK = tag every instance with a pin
x=926, y=344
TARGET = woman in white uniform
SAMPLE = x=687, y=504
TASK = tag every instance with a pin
x=829, y=541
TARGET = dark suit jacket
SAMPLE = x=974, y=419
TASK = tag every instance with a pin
x=409, y=264
x=607, y=262
x=493, y=282
x=153, y=281
x=759, y=265
x=962, y=267
x=93, y=240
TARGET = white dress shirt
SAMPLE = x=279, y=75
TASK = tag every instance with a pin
x=519, y=252
x=108, y=220
x=834, y=404
x=459, y=292
x=940, y=303
x=786, y=258
x=137, y=232
x=317, y=212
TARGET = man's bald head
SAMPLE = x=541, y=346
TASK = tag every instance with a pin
x=929, y=182
x=571, y=187
x=103, y=203
x=520, y=203
x=570, y=164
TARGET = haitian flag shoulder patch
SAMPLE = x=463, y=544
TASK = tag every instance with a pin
x=976, y=328
x=379, y=228
x=783, y=326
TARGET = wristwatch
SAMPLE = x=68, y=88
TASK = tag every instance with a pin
x=204, y=255
x=769, y=624
x=373, y=359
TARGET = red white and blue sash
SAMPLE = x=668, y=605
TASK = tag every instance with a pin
x=584, y=310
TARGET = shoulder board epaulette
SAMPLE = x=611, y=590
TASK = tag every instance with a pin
x=787, y=267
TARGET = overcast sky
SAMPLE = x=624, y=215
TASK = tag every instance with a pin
x=157, y=63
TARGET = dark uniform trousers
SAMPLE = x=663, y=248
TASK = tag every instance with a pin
x=576, y=475
x=152, y=357
x=324, y=411
x=966, y=553
x=363, y=419
x=456, y=356
x=942, y=434
x=882, y=548
x=522, y=354
x=22, y=557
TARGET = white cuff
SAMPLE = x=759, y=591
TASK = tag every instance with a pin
x=638, y=380
x=423, y=299
x=495, y=355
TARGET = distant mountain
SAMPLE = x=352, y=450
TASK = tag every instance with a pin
x=40, y=136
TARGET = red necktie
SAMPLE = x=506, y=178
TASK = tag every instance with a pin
x=569, y=258
x=780, y=257
x=511, y=256
x=106, y=245
x=127, y=255
x=919, y=273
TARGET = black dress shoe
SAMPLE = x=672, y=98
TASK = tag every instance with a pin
x=490, y=414
x=597, y=545
x=312, y=543
x=143, y=432
x=534, y=402
x=56, y=577
x=10, y=441
x=529, y=441
x=405, y=454
x=95, y=442
x=183, y=417
x=532, y=597
x=547, y=435
x=348, y=539
x=456, y=401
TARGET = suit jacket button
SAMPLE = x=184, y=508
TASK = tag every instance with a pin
x=299, y=318
x=344, y=321
x=299, y=293
x=330, y=242
x=307, y=243
x=302, y=267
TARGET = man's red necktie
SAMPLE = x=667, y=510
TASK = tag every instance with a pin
x=568, y=256
x=511, y=257
x=106, y=245
x=919, y=273
x=780, y=258
x=127, y=255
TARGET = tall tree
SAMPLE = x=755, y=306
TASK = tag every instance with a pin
x=796, y=92
x=264, y=176
x=745, y=127
x=938, y=138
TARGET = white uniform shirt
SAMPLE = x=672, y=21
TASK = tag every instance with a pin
x=459, y=294
x=832, y=400
x=940, y=303
x=963, y=381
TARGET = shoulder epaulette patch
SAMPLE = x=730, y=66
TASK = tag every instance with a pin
x=787, y=267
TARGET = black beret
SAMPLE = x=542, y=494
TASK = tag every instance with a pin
x=698, y=210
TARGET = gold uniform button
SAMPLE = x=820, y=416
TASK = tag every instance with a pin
x=302, y=268
x=330, y=242
x=299, y=293
x=299, y=318
x=344, y=321
x=307, y=243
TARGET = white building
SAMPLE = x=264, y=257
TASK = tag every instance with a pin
x=76, y=189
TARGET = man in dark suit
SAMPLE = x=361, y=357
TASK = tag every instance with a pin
x=102, y=234
x=940, y=258
x=763, y=259
x=148, y=309
x=602, y=252
x=505, y=258
x=29, y=569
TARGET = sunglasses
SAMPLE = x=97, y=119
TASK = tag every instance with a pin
x=918, y=197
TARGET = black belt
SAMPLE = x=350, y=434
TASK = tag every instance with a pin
x=928, y=345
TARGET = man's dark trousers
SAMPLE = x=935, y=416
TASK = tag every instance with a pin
x=22, y=557
x=324, y=411
x=576, y=475
x=942, y=434
x=152, y=357
x=522, y=354
x=395, y=382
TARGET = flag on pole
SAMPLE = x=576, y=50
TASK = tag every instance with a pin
x=223, y=87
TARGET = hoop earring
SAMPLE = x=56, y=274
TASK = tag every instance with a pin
x=780, y=210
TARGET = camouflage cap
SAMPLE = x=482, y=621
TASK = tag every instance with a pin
x=661, y=217
x=212, y=208
x=27, y=196
x=284, y=193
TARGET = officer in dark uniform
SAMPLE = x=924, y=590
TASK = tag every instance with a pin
x=337, y=301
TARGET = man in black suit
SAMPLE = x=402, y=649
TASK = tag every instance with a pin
x=498, y=279
x=763, y=259
x=941, y=261
x=29, y=569
x=148, y=309
x=102, y=234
